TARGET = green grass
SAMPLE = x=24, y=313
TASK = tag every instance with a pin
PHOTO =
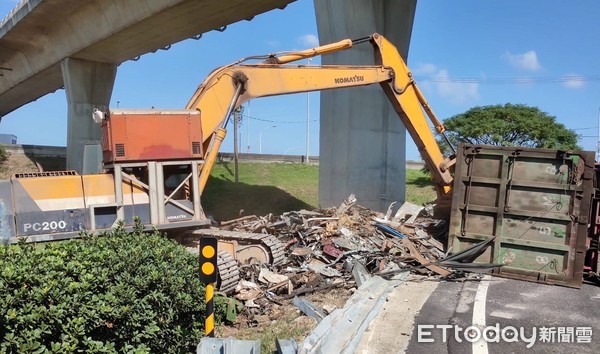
x=263, y=188
x=283, y=328
x=419, y=187
x=279, y=187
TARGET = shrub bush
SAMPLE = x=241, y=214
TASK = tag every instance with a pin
x=3, y=154
x=119, y=292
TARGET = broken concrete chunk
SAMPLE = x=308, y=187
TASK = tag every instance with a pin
x=321, y=268
x=245, y=284
x=250, y=304
x=344, y=243
x=268, y=277
x=245, y=295
x=407, y=213
x=247, y=290
x=346, y=232
x=347, y=204
x=302, y=251
x=388, y=214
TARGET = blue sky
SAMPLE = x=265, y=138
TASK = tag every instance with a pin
x=463, y=53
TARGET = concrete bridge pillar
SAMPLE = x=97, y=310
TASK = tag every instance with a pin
x=362, y=141
x=88, y=85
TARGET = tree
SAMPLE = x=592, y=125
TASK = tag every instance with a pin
x=510, y=125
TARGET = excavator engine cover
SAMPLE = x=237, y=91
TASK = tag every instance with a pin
x=151, y=135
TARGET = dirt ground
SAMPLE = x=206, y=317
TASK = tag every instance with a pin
x=283, y=321
x=390, y=332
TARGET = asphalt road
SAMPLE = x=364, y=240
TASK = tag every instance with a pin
x=545, y=318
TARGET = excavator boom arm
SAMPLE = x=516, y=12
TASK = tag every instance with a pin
x=231, y=86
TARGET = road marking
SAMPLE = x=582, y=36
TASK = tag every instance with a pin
x=480, y=347
x=503, y=314
x=516, y=306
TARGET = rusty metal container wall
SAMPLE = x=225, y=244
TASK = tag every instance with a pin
x=592, y=261
x=535, y=202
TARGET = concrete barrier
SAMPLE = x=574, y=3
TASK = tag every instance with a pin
x=61, y=151
x=36, y=150
x=314, y=160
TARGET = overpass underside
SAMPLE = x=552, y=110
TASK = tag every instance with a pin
x=50, y=44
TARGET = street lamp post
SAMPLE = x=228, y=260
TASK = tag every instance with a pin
x=308, y=122
x=598, y=142
x=260, y=138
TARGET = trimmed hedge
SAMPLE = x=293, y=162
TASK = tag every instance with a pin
x=119, y=292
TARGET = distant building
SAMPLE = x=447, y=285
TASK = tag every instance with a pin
x=8, y=139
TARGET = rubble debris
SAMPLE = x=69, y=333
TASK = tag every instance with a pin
x=407, y=213
x=350, y=322
x=347, y=204
x=268, y=277
x=388, y=230
x=286, y=346
x=419, y=257
x=341, y=248
x=247, y=290
x=323, y=269
x=309, y=309
x=360, y=274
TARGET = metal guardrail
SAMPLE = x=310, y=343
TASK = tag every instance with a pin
x=228, y=156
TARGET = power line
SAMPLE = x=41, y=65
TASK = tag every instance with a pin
x=584, y=128
x=512, y=80
x=277, y=121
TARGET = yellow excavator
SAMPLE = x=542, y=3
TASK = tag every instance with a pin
x=228, y=87
x=157, y=162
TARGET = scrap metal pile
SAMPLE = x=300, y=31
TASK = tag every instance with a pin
x=338, y=247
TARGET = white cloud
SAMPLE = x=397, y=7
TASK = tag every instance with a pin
x=439, y=80
x=424, y=69
x=309, y=40
x=526, y=61
x=573, y=81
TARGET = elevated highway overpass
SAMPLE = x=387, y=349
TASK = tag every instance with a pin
x=49, y=44
x=38, y=35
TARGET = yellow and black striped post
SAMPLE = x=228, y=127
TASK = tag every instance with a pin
x=208, y=275
x=209, y=322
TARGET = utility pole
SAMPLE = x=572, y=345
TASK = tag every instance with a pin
x=308, y=122
x=236, y=122
x=598, y=143
x=248, y=130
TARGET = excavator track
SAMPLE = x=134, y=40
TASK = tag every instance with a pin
x=263, y=248
x=241, y=248
x=229, y=272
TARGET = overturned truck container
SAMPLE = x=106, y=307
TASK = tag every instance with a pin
x=534, y=203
